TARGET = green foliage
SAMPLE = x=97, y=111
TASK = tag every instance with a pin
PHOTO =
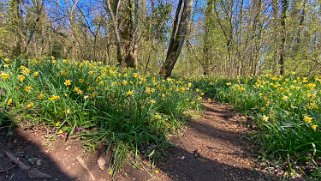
x=160, y=15
x=286, y=110
x=121, y=108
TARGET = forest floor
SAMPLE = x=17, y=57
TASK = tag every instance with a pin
x=214, y=146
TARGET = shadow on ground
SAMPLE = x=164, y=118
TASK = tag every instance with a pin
x=186, y=166
x=209, y=150
x=31, y=154
x=214, y=147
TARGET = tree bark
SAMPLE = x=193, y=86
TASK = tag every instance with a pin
x=180, y=28
x=119, y=43
x=206, y=42
x=283, y=39
x=131, y=49
x=275, y=34
x=300, y=27
x=126, y=50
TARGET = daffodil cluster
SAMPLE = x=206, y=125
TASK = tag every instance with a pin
x=121, y=104
x=287, y=109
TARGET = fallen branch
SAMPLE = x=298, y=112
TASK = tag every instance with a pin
x=35, y=173
x=16, y=160
x=32, y=172
x=5, y=170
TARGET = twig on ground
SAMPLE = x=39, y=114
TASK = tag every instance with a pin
x=32, y=172
x=82, y=163
x=7, y=169
x=16, y=160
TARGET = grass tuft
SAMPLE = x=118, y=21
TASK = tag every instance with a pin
x=287, y=110
x=103, y=104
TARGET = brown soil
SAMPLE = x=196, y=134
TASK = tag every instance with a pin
x=215, y=146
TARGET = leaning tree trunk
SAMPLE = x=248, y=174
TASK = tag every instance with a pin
x=181, y=25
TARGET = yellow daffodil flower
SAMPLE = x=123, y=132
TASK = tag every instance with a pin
x=129, y=93
x=29, y=106
x=67, y=82
x=40, y=96
x=54, y=98
x=28, y=88
x=5, y=76
x=307, y=119
x=35, y=74
x=314, y=127
x=9, y=102
x=21, y=78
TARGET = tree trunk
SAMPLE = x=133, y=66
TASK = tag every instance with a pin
x=275, y=35
x=180, y=28
x=300, y=27
x=17, y=22
x=127, y=50
x=206, y=42
x=119, y=43
x=131, y=50
x=283, y=39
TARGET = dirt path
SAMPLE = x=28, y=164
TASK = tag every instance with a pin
x=213, y=147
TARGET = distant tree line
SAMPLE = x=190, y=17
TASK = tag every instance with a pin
x=210, y=37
